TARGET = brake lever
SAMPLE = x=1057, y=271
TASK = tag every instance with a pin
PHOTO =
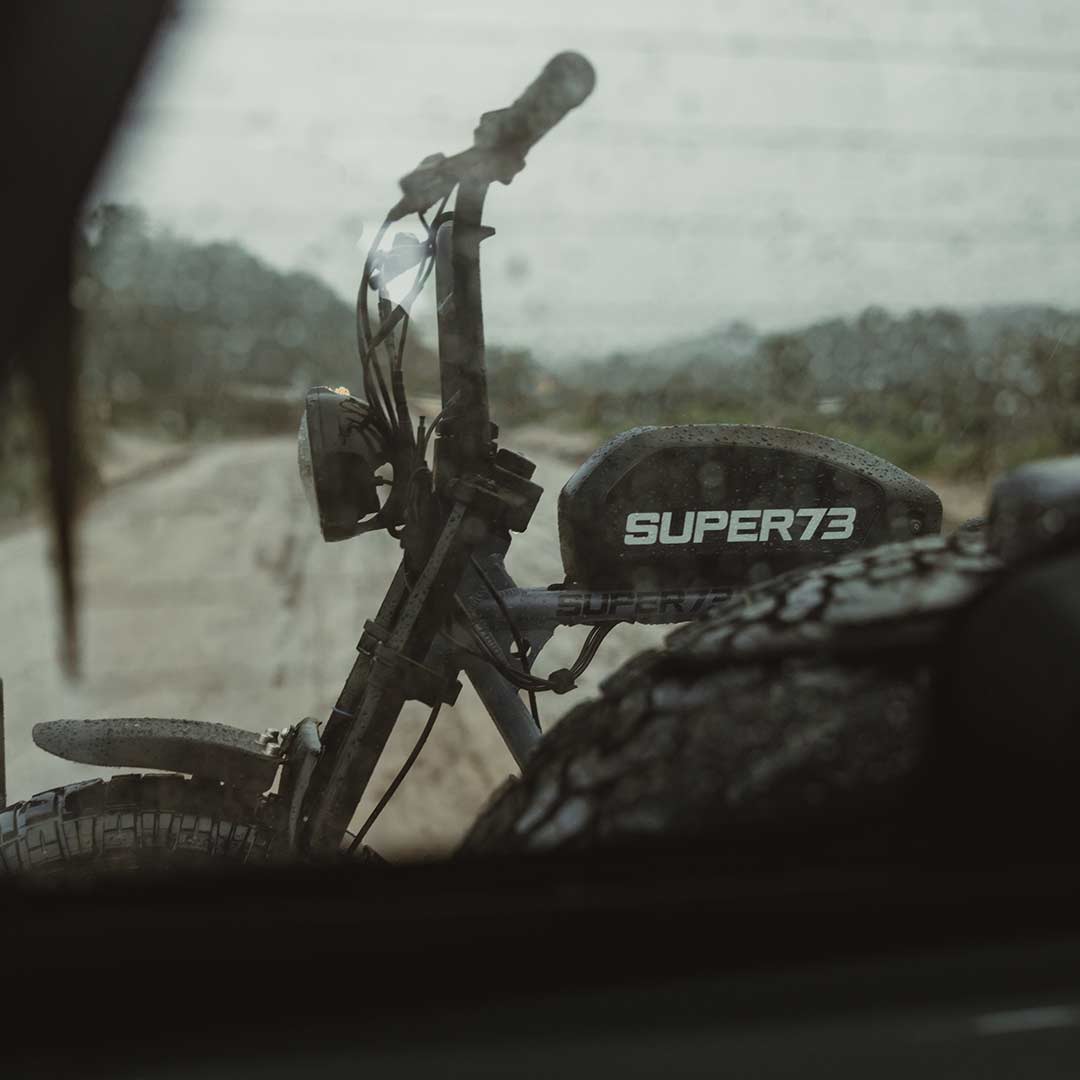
x=437, y=175
x=503, y=136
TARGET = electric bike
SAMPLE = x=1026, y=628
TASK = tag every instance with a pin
x=774, y=546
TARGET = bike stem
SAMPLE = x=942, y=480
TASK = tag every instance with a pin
x=466, y=435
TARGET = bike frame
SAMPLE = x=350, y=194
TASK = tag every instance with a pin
x=455, y=523
x=401, y=655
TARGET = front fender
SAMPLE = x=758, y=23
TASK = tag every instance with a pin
x=215, y=751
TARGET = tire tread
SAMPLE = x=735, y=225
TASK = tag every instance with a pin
x=129, y=822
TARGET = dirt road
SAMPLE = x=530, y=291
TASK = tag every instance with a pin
x=209, y=595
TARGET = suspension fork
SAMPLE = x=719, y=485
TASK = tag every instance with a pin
x=383, y=680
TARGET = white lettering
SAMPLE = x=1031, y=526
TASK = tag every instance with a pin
x=841, y=523
x=815, y=514
x=743, y=525
x=707, y=521
x=778, y=521
x=651, y=527
x=666, y=536
x=641, y=528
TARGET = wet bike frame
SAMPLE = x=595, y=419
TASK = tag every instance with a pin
x=452, y=577
x=800, y=499
x=401, y=656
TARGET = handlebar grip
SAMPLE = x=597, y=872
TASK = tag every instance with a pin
x=503, y=137
x=566, y=81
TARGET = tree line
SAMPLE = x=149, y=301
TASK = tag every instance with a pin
x=203, y=340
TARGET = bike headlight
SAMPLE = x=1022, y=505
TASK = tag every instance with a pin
x=339, y=447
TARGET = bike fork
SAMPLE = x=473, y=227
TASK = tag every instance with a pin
x=380, y=683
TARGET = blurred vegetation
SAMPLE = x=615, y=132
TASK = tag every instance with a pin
x=184, y=341
x=935, y=392
x=191, y=341
x=202, y=340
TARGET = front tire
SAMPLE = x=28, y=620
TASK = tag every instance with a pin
x=153, y=822
x=808, y=701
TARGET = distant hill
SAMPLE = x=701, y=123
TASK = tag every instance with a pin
x=959, y=393
x=169, y=324
x=697, y=358
x=872, y=351
x=172, y=328
x=1025, y=320
x=207, y=338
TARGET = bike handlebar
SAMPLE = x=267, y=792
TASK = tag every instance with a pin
x=503, y=137
x=566, y=81
x=481, y=498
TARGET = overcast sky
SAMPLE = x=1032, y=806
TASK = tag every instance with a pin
x=769, y=160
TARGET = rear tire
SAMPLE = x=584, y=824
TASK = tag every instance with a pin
x=153, y=822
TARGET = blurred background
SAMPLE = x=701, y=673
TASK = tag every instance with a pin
x=862, y=220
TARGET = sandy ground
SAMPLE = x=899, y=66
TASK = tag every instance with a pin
x=208, y=594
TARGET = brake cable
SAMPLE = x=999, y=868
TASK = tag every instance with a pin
x=389, y=408
x=389, y=793
x=438, y=418
x=367, y=341
x=559, y=681
x=519, y=641
x=364, y=336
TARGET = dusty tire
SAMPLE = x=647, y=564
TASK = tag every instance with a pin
x=808, y=703
x=153, y=822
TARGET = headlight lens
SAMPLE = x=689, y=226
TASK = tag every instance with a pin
x=303, y=460
x=338, y=450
